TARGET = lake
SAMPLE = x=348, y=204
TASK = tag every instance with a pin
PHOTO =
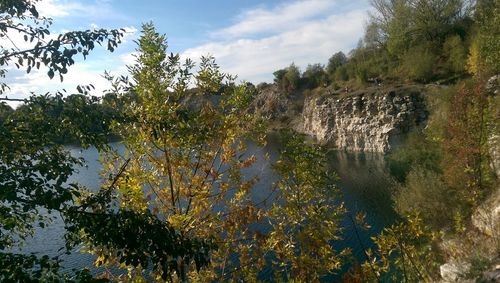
x=364, y=183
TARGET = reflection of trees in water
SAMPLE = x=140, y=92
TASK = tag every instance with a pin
x=365, y=182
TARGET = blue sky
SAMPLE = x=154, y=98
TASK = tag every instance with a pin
x=249, y=38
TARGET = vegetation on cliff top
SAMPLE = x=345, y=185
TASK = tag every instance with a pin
x=176, y=207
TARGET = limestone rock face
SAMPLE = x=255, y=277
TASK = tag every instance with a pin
x=486, y=218
x=452, y=272
x=373, y=121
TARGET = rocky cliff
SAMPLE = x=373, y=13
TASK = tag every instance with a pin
x=371, y=120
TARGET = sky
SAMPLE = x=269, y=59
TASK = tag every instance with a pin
x=248, y=38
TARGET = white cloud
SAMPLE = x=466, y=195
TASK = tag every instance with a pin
x=83, y=73
x=87, y=9
x=57, y=8
x=312, y=38
x=128, y=58
x=130, y=33
x=282, y=17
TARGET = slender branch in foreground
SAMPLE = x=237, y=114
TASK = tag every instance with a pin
x=11, y=99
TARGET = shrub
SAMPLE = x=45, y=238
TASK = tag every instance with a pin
x=454, y=50
x=418, y=64
x=341, y=74
x=425, y=192
x=288, y=79
x=417, y=151
x=314, y=76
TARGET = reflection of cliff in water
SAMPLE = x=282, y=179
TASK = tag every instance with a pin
x=364, y=181
x=366, y=186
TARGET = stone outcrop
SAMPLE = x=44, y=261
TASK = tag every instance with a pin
x=371, y=121
x=453, y=272
x=486, y=217
x=279, y=108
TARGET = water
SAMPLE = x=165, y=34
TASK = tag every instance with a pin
x=364, y=184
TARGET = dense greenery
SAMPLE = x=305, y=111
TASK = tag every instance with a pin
x=444, y=171
x=34, y=166
x=177, y=206
x=34, y=169
x=419, y=41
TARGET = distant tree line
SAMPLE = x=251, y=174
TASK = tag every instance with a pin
x=93, y=114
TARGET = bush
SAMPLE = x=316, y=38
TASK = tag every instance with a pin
x=314, y=76
x=424, y=191
x=288, y=79
x=455, y=53
x=417, y=151
x=338, y=59
x=341, y=74
x=418, y=64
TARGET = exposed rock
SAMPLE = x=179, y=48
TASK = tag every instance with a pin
x=484, y=240
x=494, y=146
x=281, y=109
x=373, y=121
x=453, y=272
x=486, y=218
x=493, y=88
x=492, y=276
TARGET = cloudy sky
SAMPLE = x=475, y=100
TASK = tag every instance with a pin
x=249, y=38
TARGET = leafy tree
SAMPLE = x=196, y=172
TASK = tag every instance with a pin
x=288, y=79
x=405, y=23
x=466, y=159
x=425, y=191
x=341, y=74
x=56, y=53
x=5, y=110
x=419, y=63
x=279, y=75
x=34, y=169
x=195, y=155
x=455, y=53
x=193, y=152
x=314, y=76
x=338, y=59
x=484, y=52
x=405, y=252
x=291, y=79
x=305, y=219
x=374, y=37
x=419, y=150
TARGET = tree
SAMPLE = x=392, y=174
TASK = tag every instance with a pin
x=194, y=152
x=5, y=110
x=405, y=252
x=484, y=51
x=58, y=53
x=455, y=52
x=305, y=219
x=466, y=160
x=338, y=59
x=34, y=169
x=185, y=157
x=418, y=63
x=288, y=79
x=407, y=23
x=314, y=76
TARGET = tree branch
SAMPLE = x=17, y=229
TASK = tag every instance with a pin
x=11, y=99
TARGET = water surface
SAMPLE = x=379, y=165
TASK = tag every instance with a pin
x=364, y=185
